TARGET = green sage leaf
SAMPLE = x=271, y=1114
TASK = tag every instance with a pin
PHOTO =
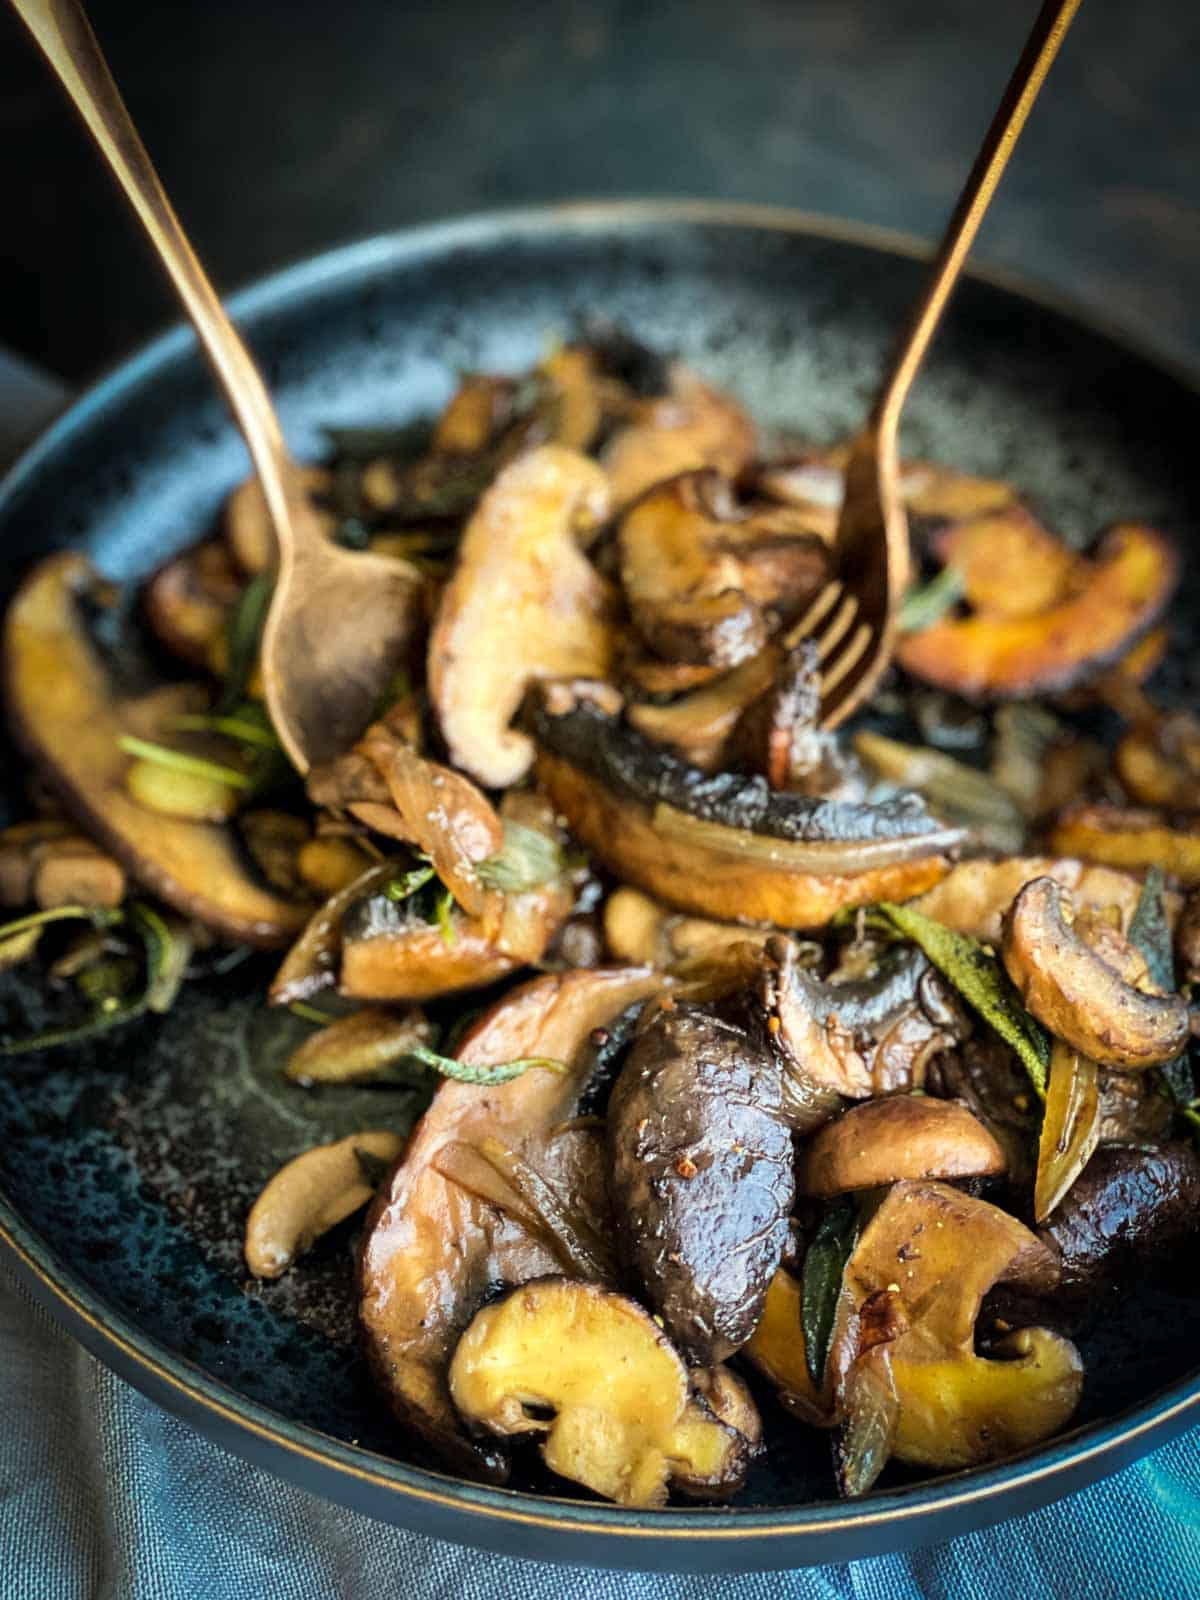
x=469, y=1072
x=979, y=978
x=243, y=637
x=824, y=1264
x=921, y=608
x=527, y=859
x=1150, y=931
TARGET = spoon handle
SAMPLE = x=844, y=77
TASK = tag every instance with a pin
x=1028, y=76
x=64, y=34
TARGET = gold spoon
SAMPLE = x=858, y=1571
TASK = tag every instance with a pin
x=337, y=622
x=853, y=620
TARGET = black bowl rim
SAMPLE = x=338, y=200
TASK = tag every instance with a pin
x=254, y=1430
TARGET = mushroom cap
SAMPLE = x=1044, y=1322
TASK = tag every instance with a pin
x=903, y=1136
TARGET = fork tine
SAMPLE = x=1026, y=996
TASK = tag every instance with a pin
x=839, y=626
x=815, y=615
x=845, y=663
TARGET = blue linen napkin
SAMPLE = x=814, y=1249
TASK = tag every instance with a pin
x=103, y=1496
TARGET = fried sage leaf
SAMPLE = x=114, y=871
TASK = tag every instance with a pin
x=245, y=631
x=527, y=859
x=824, y=1264
x=1070, y=1126
x=165, y=960
x=1150, y=931
x=922, y=607
x=979, y=978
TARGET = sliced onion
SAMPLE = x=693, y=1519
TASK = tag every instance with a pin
x=871, y=1406
x=1070, y=1126
x=822, y=858
x=498, y=1175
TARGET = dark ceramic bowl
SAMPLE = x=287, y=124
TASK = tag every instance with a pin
x=126, y=1169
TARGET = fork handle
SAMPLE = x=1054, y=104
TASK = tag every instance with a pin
x=1028, y=76
x=63, y=33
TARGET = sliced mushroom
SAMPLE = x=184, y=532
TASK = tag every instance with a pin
x=695, y=426
x=1127, y=587
x=698, y=725
x=73, y=872
x=903, y=1136
x=69, y=719
x=188, y=601
x=685, y=592
x=987, y=550
x=639, y=930
x=975, y=895
x=19, y=846
x=1158, y=761
x=725, y=846
x=433, y=1249
x=1121, y=836
x=701, y=1180
x=1129, y=1211
x=871, y=1035
x=361, y=1046
x=588, y=1369
x=524, y=603
x=311, y=1194
x=777, y=1350
x=927, y=1258
x=1080, y=996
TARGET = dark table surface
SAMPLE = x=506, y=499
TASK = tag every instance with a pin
x=281, y=128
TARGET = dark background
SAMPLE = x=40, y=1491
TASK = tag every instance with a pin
x=281, y=128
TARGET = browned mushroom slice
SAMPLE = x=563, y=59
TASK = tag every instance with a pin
x=433, y=1249
x=1124, y=590
x=1158, y=761
x=725, y=846
x=68, y=717
x=188, y=601
x=922, y=1266
x=524, y=603
x=902, y=1136
x=1122, y=836
x=701, y=1180
x=590, y=1370
x=988, y=550
x=698, y=725
x=1112, y=1013
x=644, y=933
x=695, y=426
x=871, y=1035
x=974, y=895
x=390, y=952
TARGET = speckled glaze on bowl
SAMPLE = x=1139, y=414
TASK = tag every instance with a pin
x=126, y=1168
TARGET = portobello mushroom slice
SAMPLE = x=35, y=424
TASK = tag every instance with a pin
x=1126, y=588
x=701, y=1176
x=725, y=846
x=433, y=1249
x=589, y=1370
x=1097, y=997
x=524, y=603
x=69, y=717
x=903, y=1354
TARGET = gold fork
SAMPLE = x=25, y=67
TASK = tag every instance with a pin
x=853, y=619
